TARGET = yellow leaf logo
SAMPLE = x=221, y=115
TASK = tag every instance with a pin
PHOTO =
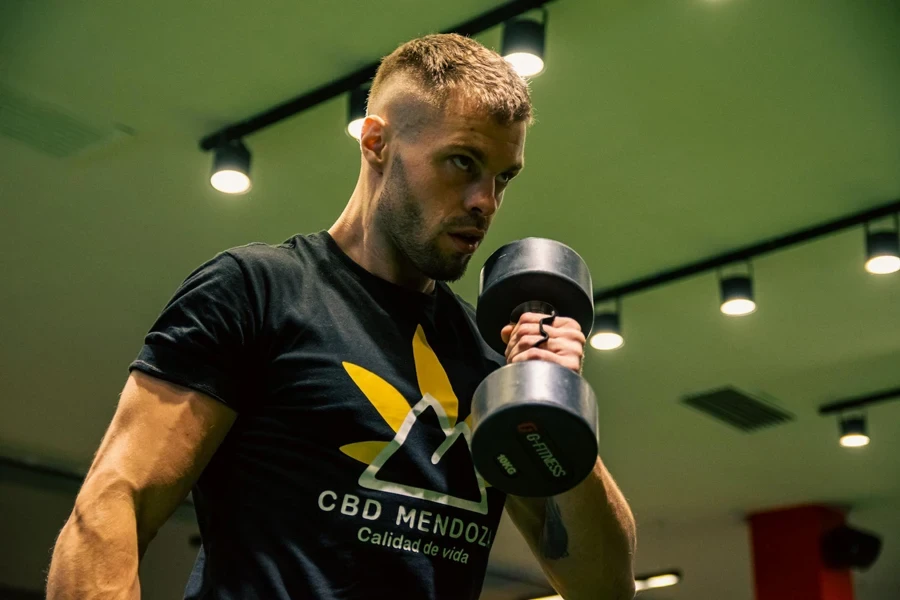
x=437, y=394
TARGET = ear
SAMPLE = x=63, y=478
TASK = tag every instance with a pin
x=373, y=142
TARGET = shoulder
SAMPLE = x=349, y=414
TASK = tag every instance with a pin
x=262, y=272
x=261, y=254
x=262, y=259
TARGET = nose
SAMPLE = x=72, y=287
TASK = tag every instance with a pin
x=482, y=197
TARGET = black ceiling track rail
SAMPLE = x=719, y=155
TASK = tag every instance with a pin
x=860, y=401
x=360, y=77
x=748, y=252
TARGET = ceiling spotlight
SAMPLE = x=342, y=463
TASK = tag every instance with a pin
x=883, y=250
x=607, y=331
x=356, y=111
x=853, y=432
x=231, y=168
x=523, y=45
x=737, y=295
x=648, y=582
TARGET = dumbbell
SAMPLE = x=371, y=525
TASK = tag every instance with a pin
x=534, y=422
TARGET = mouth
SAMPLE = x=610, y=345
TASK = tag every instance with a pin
x=467, y=241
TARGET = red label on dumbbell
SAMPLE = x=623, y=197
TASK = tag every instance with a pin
x=539, y=446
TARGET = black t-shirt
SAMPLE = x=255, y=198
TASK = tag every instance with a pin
x=347, y=474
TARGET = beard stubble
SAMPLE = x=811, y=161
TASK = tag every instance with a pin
x=399, y=214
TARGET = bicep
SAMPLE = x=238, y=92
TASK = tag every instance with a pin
x=159, y=441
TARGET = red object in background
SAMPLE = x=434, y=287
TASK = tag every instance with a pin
x=787, y=557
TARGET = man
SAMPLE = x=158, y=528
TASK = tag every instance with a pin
x=315, y=395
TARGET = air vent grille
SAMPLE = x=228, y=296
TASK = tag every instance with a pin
x=47, y=128
x=737, y=409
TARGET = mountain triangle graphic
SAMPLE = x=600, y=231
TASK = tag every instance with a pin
x=430, y=455
x=369, y=478
x=412, y=464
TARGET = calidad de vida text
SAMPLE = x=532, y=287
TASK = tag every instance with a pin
x=409, y=521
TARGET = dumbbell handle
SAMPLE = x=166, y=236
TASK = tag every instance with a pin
x=536, y=306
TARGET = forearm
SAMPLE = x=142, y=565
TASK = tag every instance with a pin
x=584, y=538
x=98, y=551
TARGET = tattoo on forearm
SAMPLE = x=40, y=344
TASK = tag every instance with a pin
x=554, y=538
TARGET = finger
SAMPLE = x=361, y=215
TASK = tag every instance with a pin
x=533, y=354
x=534, y=341
x=515, y=334
x=566, y=323
x=567, y=361
x=522, y=331
x=521, y=343
x=506, y=333
x=560, y=346
x=553, y=332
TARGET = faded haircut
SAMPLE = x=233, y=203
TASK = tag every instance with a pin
x=440, y=64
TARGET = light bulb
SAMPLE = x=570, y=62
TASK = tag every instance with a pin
x=525, y=64
x=737, y=295
x=522, y=46
x=231, y=168
x=854, y=440
x=607, y=340
x=355, y=128
x=883, y=265
x=738, y=307
x=656, y=581
x=230, y=182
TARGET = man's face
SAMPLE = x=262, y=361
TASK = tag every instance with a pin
x=443, y=185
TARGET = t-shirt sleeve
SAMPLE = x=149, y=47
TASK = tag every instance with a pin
x=204, y=337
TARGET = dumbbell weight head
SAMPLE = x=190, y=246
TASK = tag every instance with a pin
x=535, y=422
x=535, y=429
x=532, y=275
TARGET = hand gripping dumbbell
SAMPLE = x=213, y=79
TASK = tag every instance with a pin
x=534, y=422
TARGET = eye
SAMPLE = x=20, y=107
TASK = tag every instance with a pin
x=463, y=162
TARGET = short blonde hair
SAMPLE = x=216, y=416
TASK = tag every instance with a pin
x=443, y=63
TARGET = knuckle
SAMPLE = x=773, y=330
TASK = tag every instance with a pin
x=529, y=343
x=532, y=354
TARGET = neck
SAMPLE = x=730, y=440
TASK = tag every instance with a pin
x=358, y=234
